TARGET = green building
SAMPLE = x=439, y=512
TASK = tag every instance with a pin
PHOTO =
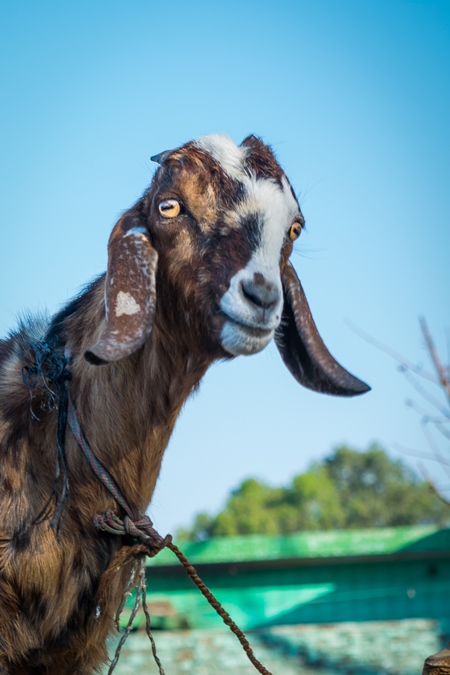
x=320, y=577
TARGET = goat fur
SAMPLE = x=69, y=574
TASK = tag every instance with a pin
x=131, y=372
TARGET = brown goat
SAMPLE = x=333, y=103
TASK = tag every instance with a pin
x=198, y=271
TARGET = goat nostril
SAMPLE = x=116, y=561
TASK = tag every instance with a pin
x=251, y=296
x=261, y=296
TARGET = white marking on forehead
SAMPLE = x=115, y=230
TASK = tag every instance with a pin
x=230, y=156
x=275, y=205
x=277, y=209
x=126, y=304
x=266, y=197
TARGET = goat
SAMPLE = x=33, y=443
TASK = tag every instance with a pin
x=198, y=270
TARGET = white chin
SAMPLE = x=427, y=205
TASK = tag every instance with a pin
x=239, y=340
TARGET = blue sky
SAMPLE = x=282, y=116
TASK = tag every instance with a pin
x=354, y=98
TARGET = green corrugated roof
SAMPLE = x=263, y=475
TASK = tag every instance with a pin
x=330, y=544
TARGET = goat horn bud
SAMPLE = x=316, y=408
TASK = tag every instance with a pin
x=159, y=159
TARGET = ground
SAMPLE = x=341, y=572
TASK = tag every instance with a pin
x=393, y=648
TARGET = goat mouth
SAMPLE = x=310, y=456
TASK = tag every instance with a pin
x=250, y=330
x=238, y=338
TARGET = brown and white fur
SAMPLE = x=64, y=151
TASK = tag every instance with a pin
x=211, y=282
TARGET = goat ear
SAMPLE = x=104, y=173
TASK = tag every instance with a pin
x=302, y=348
x=130, y=292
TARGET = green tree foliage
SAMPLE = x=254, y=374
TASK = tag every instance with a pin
x=348, y=489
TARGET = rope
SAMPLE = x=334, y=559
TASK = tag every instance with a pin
x=140, y=597
x=134, y=523
x=215, y=604
x=140, y=527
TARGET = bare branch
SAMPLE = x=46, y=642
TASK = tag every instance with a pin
x=421, y=455
x=440, y=427
x=426, y=418
x=426, y=395
x=440, y=368
x=429, y=419
x=408, y=365
x=432, y=445
x=447, y=336
x=424, y=413
x=432, y=486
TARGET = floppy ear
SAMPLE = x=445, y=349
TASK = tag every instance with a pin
x=302, y=348
x=130, y=292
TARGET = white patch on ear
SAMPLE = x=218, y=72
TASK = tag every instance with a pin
x=230, y=156
x=126, y=304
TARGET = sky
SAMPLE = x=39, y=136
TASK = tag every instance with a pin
x=354, y=98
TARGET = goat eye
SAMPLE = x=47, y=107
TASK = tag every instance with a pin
x=169, y=208
x=295, y=231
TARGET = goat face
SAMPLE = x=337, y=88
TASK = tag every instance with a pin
x=215, y=231
x=225, y=244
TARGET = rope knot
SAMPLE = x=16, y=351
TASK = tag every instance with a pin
x=138, y=525
x=109, y=522
x=155, y=545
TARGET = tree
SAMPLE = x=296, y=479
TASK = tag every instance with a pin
x=379, y=491
x=348, y=489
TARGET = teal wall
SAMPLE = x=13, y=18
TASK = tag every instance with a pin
x=324, y=593
x=378, y=574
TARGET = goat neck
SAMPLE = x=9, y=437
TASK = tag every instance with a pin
x=130, y=406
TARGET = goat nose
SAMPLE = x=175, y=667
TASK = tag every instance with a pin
x=263, y=295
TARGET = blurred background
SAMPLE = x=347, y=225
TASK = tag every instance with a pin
x=354, y=99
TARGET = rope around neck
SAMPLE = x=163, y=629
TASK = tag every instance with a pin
x=139, y=526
